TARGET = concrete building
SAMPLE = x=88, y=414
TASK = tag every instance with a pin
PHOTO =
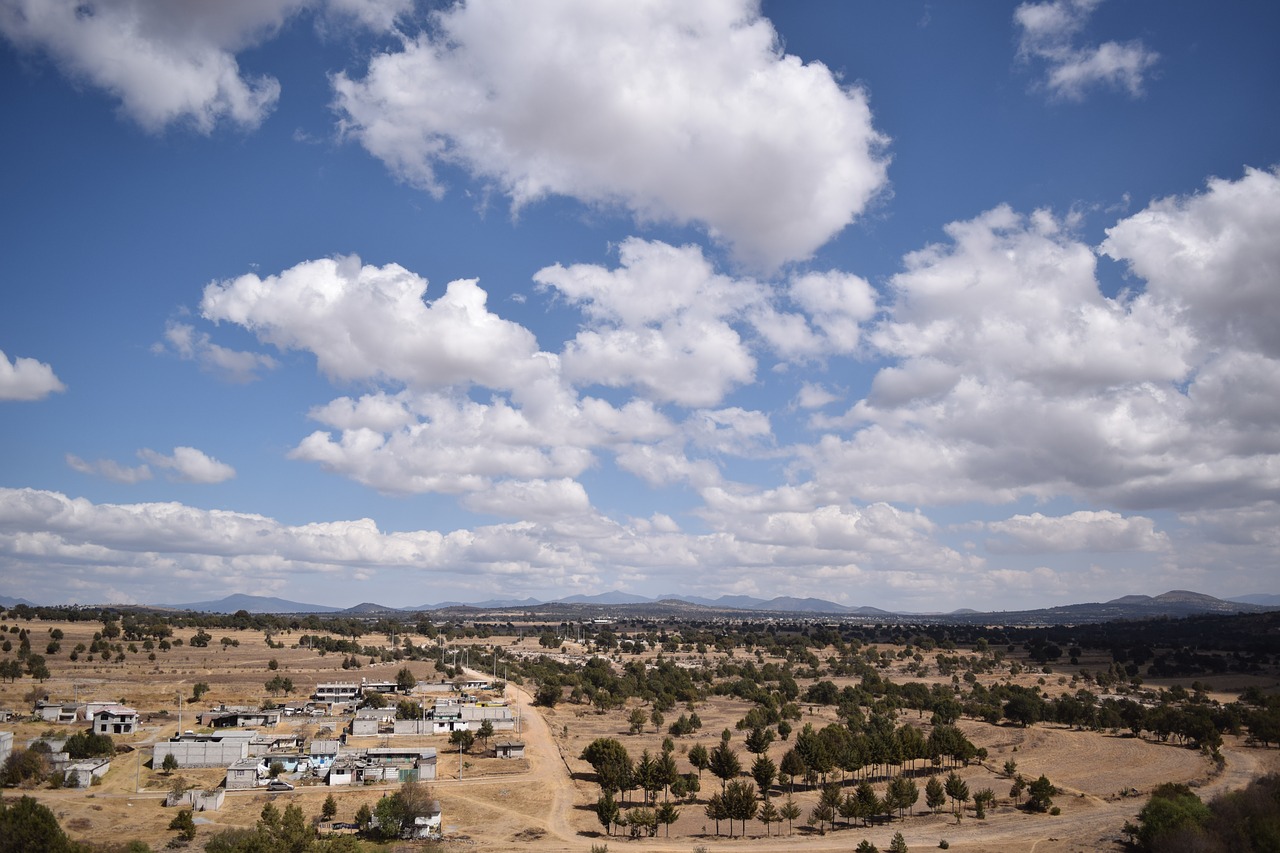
x=115, y=720
x=373, y=721
x=6, y=746
x=509, y=749
x=245, y=772
x=337, y=691
x=383, y=765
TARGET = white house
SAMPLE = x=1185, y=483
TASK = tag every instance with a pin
x=115, y=720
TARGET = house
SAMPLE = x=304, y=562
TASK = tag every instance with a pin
x=81, y=773
x=245, y=773
x=472, y=684
x=212, y=750
x=200, y=801
x=377, y=686
x=115, y=720
x=322, y=754
x=337, y=691
x=262, y=744
x=383, y=764
x=373, y=721
x=57, y=712
x=509, y=749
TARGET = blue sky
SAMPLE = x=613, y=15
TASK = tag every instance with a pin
x=915, y=305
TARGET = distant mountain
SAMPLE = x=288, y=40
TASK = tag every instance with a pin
x=6, y=601
x=368, y=608
x=787, y=604
x=492, y=604
x=1262, y=598
x=616, y=596
x=254, y=604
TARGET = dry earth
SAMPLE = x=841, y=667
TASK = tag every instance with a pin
x=544, y=803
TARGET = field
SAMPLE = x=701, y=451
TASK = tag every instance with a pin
x=545, y=802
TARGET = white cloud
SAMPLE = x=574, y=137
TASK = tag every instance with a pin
x=1012, y=375
x=370, y=323
x=27, y=379
x=1048, y=34
x=531, y=499
x=1215, y=256
x=231, y=365
x=110, y=469
x=166, y=62
x=189, y=465
x=659, y=322
x=687, y=112
x=1080, y=531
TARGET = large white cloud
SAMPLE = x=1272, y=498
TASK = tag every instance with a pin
x=174, y=62
x=1048, y=34
x=680, y=111
x=1012, y=375
x=370, y=323
x=27, y=379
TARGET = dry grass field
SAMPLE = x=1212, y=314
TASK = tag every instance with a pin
x=544, y=803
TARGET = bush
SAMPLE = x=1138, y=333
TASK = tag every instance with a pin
x=943, y=845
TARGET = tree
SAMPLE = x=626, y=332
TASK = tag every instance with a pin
x=789, y=812
x=607, y=811
x=637, y=720
x=169, y=764
x=655, y=717
x=958, y=791
x=1040, y=795
x=1172, y=810
x=609, y=758
x=667, y=814
x=198, y=690
x=724, y=763
x=768, y=815
x=934, y=794
x=758, y=740
x=903, y=793
x=37, y=669
x=548, y=695
x=764, y=772
x=10, y=668
x=865, y=846
x=868, y=803
x=484, y=733
x=330, y=808
x=405, y=680
x=898, y=844
x=273, y=664
x=699, y=758
x=364, y=815
x=27, y=825
x=184, y=825
x=792, y=766
x=464, y=739
x=740, y=803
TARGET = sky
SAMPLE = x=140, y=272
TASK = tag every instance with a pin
x=912, y=305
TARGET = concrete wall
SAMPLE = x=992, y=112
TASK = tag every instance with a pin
x=208, y=753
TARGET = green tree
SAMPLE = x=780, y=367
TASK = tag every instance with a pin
x=184, y=825
x=898, y=844
x=484, y=733
x=169, y=764
x=667, y=814
x=724, y=763
x=1173, y=810
x=364, y=815
x=637, y=720
x=740, y=803
x=699, y=758
x=330, y=808
x=607, y=811
x=609, y=758
x=27, y=825
x=405, y=680
x=198, y=690
x=934, y=794
x=1040, y=795
x=464, y=739
x=958, y=791
x=789, y=811
x=764, y=772
x=768, y=815
x=865, y=846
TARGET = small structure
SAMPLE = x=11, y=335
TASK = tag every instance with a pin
x=57, y=712
x=80, y=773
x=261, y=744
x=322, y=754
x=383, y=764
x=509, y=749
x=6, y=746
x=115, y=720
x=377, y=687
x=373, y=721
x=200, y=801
x=245, y=773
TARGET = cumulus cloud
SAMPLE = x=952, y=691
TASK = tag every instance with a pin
x=27, y=379
x=110, y=469
x=153, y=550
x=364, y=322
x=165, y=62
x=232, y=365
x=1011, y=374
x=688, y=112
x=189, y=465
x=1048, y=35
x=1080, y=531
